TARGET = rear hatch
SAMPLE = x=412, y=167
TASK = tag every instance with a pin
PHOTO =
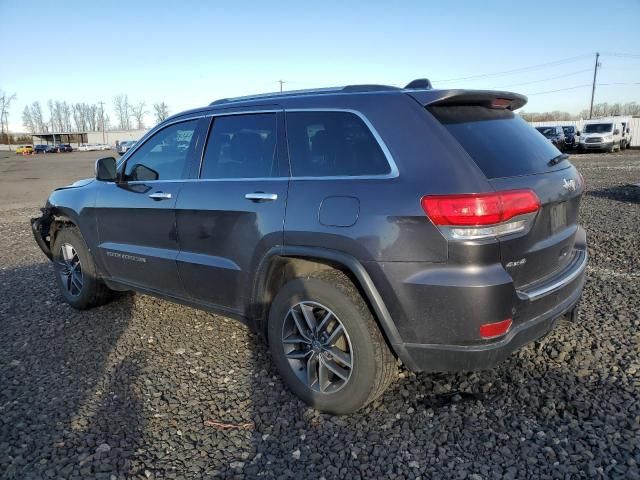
x=514, y=156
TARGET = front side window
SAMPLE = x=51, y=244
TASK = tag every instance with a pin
x=241, y=146
x=164, y=155
x=329, y=144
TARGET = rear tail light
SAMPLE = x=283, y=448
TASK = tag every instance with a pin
x=493, y=330
x=481, y=215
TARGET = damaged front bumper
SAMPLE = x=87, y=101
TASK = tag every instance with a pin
x=41, y=228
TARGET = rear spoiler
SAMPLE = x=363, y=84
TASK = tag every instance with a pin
x=486, y=98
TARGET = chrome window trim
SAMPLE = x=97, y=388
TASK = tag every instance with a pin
x=393, y=168
x=393, y=173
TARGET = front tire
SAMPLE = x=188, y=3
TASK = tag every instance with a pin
x=327, y=345
x=75, y=271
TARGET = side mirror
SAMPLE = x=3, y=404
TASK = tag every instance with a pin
x=628, y=130
x=616, y=132
x=578, y=133
x=106, y=169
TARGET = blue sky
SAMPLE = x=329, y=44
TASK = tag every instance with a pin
x=189, y=53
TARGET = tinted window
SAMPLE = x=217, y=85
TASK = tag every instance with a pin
x=598, y=128
x=164, y=155
x=241, y=146
x=323, y=144
x=499, y=141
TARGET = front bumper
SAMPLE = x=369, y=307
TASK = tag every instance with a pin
x=596, y=146
x=40, y=228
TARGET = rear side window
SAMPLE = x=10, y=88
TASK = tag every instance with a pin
x=241, y=146
x=499, y=141
x=330, y=144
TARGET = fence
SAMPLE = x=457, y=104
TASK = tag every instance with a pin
x=634, y=125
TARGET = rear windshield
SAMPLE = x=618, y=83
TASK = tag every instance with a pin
x=598, y=128
x=499, y=141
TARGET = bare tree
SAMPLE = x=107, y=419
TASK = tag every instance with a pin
x=5, y=103
x=38, y=119
x=27, y=120
x=122, y=109
x=161, y=111
x=138, y=112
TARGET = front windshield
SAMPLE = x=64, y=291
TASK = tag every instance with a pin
x=598, y=128
x=568, y=130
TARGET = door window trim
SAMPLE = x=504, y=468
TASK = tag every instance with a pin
x=393, y=172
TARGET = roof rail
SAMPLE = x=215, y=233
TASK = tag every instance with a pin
x=311, y=91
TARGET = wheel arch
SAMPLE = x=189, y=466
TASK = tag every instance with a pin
x=282, y=264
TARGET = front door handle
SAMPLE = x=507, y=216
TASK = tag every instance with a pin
x=261, y=197
x=160, y=196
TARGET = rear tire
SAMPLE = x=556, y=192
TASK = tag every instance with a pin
x=353, y=367
x=75, y=271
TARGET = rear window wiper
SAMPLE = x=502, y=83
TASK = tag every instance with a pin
x=558, y=159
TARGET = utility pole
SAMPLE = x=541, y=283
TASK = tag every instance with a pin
x=593, y=88
x=102, y=119
x=281, y=82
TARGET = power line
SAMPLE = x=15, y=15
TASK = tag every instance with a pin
x=621, y=55
x=517, y=70
x=583, y=86
x=560, y=89
x=546, y=79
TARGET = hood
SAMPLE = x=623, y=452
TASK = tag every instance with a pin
x=77, y=184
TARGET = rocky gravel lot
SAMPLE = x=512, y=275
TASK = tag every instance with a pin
x=142, y=388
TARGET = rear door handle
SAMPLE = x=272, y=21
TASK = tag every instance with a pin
x=160, y=196
x=261, y=197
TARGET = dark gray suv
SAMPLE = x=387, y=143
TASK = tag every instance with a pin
x=351, y=227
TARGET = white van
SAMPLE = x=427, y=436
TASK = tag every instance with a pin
x=602, y=134
x=625, y=133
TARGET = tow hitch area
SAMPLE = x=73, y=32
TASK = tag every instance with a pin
x=40, y=227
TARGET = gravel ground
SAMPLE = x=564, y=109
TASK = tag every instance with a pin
x=144, y=388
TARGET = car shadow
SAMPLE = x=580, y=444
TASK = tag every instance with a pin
x=61, y=377
x=622, y=193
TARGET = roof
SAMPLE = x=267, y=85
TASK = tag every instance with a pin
x=421, y=90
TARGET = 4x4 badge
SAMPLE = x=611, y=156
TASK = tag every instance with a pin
x=569, y=185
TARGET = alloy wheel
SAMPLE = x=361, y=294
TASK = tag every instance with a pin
x=317, y=347
x=70, y=269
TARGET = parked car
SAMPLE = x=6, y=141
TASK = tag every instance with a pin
x=86, y=147
x=123, y=147
x=24, y=150
x=350, y=227
x=103, y=146
x=626, y=135
x=63, y=147
x=40, y=149
x=51, y=149
x=555, y=135
x=571, y=135
x=601, y=135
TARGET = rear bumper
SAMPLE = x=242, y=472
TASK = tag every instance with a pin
x=439, y=310
x=451, y=358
